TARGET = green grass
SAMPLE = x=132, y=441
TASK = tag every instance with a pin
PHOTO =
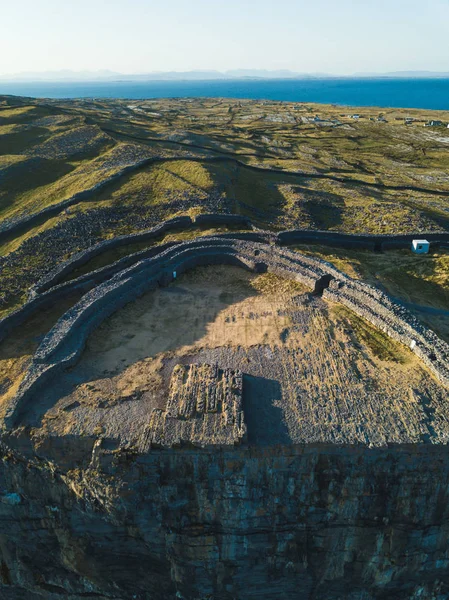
x=378, y=342
x=421, y=279
x=110, y=256
x=416, y=279
x=84, y=176
x=168, y=178
x=19, y=114
x=17, y=187
x=158, y=184
x=15, y=142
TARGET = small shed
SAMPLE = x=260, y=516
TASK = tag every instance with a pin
x=420, y=246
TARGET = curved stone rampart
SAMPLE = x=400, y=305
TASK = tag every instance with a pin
x=63, y=345
x=283, y=238
x=183, y=223
x=81, y=258
x=49, y=289
x=40, y=301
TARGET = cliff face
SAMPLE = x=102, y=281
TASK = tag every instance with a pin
x=308, y=522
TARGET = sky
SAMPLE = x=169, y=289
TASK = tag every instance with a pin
x=141, y=36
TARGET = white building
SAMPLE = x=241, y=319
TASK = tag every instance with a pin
x=420, y=246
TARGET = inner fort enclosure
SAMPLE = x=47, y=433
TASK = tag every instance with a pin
x=308, y=373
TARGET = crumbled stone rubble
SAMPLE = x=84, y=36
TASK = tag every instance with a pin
x=204, y=408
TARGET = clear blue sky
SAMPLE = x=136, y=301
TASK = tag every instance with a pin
x=134, y=36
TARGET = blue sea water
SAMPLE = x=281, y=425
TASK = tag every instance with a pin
x=405, y=93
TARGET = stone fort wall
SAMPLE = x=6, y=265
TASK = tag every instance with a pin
x=51, y=288
x=64, y=344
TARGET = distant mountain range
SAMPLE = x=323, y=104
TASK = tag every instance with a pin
x=407, y=74
x=105, y=75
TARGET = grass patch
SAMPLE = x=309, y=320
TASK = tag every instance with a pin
x=271, y=284
x=16, y=142
x=86, y=175
x=19, y=114
x=383, y=347
x=27, y=175
x=160, y=183
x=419, y=279
x=111, y=256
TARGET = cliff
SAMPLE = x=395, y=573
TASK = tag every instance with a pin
x=326, y=523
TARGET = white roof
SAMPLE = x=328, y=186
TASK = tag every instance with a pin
x=420, y=242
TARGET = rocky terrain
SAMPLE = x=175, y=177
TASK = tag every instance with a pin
x=215, y=381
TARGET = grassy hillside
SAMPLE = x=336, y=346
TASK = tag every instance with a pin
x=284, y=165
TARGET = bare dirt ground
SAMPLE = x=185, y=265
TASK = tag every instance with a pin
x=308, y=374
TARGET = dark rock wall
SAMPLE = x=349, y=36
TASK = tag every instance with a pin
x=280, y=522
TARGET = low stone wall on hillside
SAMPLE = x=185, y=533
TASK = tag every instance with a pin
x=283, y=238
x=81, y=258
x=363, y=241
x=183, y=223
x=84, y=283
x=64, y=344
x=17, y=226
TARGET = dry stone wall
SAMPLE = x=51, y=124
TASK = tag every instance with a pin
x=204, y=408
x=283, y=238
x=50, y=288
x=64, y=344
x=396, y=321
x=81, y=258
x=362, y=241
x=52, y=281
x=22, y=224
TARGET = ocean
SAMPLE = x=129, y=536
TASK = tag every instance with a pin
x=400, y=93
